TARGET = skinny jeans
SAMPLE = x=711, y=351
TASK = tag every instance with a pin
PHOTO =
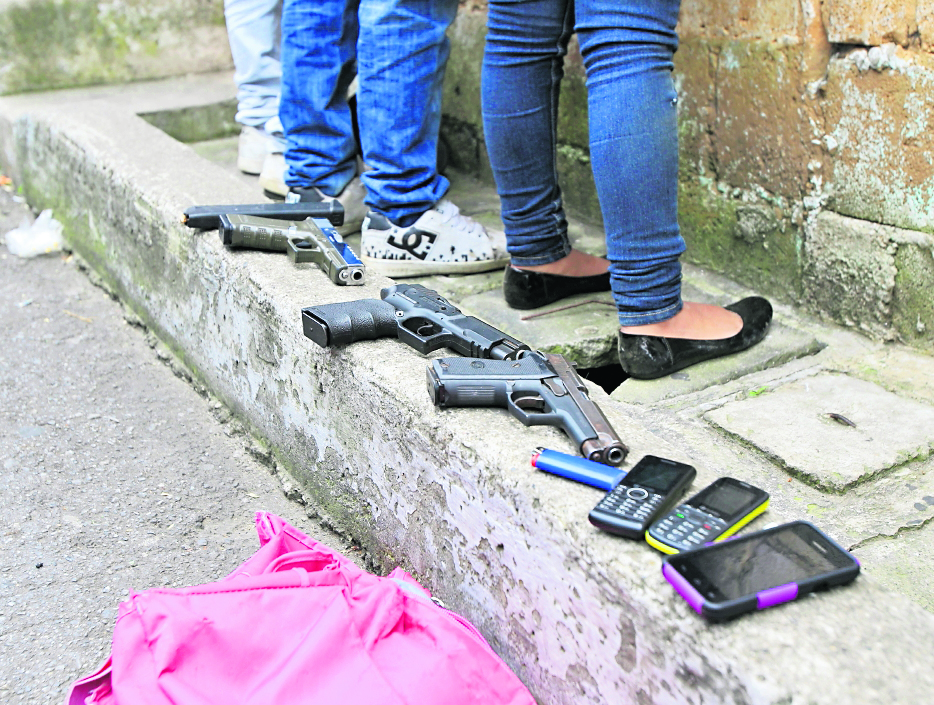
x=627, y=48
x=398, y=50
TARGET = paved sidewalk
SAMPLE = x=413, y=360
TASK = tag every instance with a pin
x=116, y=474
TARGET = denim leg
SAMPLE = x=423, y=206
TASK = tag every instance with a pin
x=401, y=56
x=319, y=40
x=628, y=46
x=522, y=68
x=253, y=33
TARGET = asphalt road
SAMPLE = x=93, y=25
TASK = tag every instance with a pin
x=116, y=474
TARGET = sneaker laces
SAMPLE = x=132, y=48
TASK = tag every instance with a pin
x=451, y=216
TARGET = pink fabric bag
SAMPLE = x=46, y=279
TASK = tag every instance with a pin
x=297, y=623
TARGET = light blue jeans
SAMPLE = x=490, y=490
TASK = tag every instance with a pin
x=398, y=51
x=627, y=47
x=254, y=36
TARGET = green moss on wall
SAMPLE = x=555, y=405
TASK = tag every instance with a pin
x=572, y=104
x=197, y=123
x=913, y=303
x=750, y=242
x=577, y=184
x=36, y=36
x=48, y=44
x=462, y=75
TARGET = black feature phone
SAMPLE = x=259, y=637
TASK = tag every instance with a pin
x=651, y=487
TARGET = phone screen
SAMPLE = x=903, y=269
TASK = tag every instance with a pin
x=724, y=499
x=655, y=475
x=761, y=561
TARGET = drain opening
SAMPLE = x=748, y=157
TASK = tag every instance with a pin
x=608, y=377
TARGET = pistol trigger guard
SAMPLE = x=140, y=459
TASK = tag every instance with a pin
x=303, y=243
x=530, y=403
x=418, y=328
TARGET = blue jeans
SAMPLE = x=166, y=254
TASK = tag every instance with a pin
x=627, y=47
x=253, y=33
x=398, y=51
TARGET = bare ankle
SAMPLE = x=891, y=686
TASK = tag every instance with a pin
x=694, y=321
x=574, y=264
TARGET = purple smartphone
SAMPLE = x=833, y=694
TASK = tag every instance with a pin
x=759, y=570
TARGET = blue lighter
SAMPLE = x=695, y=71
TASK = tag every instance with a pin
x=604, y=477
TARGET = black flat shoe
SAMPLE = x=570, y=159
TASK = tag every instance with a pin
x=651, y=356
x=525, y=289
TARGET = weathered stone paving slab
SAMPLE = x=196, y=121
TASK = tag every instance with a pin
x=880, y=510
x=905, y=372
x=902, y=563
x=793, y=425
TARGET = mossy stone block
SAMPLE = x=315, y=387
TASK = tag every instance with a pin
x=881, y=129
x=48, y=44
x=752, y=242
x=913, y=303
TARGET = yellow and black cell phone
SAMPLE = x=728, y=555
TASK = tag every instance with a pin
x=716, y=512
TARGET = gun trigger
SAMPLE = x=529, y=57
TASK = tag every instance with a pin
x=427, y=329
x=303, y=243
x=422, y=327
x=556, y=387
x=530, y=403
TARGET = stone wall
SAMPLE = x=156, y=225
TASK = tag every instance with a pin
x=46, y=44
x=803, y=125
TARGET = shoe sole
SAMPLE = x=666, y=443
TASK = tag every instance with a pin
x=252, y=168
x=419, y=268
x=272, y=184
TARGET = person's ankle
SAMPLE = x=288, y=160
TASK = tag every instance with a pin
x=695, y=321
x=574, y=264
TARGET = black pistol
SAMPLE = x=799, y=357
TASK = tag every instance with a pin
x=538, y=389
x=416, y=315
x=208, y=217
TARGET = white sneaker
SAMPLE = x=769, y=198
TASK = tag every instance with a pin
x=255, y=145
x=351, y=198
x=272, y=176
x=441, y=241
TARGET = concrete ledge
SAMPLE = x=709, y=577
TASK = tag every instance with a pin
x=582, y=617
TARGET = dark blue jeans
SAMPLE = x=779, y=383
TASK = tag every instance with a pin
x=627, y=48
x=398, y=51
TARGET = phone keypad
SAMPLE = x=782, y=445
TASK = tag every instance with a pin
x=635, y=503
x=684, y=529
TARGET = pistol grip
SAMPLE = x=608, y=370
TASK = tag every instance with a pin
x=343, y=323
